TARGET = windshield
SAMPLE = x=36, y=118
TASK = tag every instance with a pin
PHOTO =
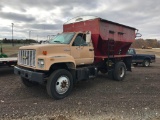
x=64, y=38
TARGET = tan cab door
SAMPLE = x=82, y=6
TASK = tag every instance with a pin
x=82, y=51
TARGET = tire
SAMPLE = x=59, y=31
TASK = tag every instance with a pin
x=59, y=84
x=146, y=63
x=120, y=71
x=28, y=83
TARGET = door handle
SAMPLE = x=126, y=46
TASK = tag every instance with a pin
x=91, y=49
x=78, y=47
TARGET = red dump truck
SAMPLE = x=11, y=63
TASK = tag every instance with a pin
x=86, y=46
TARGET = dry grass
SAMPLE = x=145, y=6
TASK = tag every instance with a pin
x=10, y=50
x=149, y=51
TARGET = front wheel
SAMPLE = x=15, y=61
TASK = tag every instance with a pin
x=119, y=71
x=60, y=84
x=146, y=63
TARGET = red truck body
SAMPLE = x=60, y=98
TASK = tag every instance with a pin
x=102, y=32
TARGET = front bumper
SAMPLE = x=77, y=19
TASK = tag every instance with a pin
x=30, y=75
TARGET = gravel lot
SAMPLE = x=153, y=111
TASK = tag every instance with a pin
x=135, y=98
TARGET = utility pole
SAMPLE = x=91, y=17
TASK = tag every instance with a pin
x=12, y=35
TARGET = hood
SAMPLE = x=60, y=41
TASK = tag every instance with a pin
x=50, y=48
x=42, y=46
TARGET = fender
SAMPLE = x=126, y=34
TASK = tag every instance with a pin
x=60, y=58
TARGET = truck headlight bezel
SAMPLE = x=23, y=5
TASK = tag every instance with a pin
x=41, y=63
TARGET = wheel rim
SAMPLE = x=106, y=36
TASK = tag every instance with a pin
x=146, y=63
x=121, y=72
x=62, y=85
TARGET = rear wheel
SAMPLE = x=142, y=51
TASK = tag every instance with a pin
x=60, y=84
x=146, y=63
x=119, y=71
x=28, y=83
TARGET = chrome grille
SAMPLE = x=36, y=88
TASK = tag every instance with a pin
x=27, y=57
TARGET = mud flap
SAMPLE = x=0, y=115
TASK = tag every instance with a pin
x=128, y=62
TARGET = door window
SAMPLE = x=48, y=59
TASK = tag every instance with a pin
x=80, y=40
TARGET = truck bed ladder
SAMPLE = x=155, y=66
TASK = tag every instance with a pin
x=110, y=53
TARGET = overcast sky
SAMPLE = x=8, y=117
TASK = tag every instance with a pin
x=46, y=17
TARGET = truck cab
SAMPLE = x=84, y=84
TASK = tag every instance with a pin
x=65, y=52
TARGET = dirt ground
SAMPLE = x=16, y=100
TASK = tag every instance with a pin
x=135, y=98
x=155, y=51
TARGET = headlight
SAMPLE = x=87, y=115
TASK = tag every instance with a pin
x=40, y=63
